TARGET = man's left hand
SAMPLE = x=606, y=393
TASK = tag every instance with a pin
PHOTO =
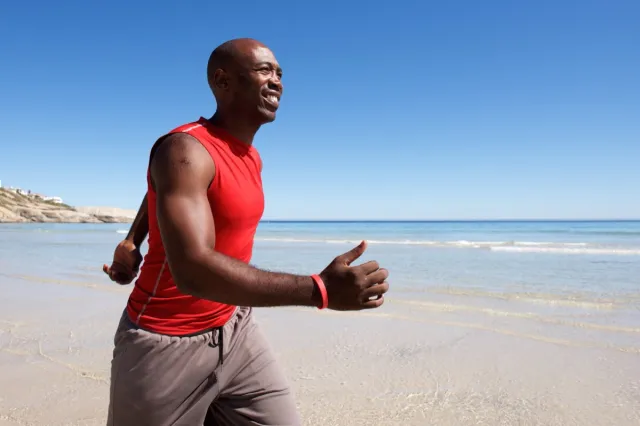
x=126, y=263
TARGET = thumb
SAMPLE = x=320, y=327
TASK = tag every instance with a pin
x=105, y=269
x=353, y=254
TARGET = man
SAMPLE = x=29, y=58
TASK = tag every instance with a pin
x=187, y=350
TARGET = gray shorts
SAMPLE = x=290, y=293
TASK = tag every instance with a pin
x=224, y=377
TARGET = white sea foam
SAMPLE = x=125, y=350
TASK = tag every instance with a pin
x=571, y=250
x=122, y=231
x=505, y=246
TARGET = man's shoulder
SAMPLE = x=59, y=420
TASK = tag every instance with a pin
x=180, y=160
x=187, y=127
x=178, y=146
x=180, y=135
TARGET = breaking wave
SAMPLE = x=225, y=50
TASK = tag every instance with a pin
x=504, y=246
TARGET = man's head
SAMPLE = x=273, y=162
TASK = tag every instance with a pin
x=244, y=77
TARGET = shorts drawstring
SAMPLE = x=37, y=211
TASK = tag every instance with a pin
x=219, y=342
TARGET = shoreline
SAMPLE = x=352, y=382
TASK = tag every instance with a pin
x=129, y=219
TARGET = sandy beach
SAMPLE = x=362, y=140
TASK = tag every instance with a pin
x=442, y=356
x=407, y=364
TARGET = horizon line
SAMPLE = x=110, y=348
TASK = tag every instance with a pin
x=458, y=220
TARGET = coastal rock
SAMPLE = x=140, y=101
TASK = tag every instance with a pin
x=18, y=208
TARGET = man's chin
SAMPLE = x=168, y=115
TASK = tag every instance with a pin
x=267, y=115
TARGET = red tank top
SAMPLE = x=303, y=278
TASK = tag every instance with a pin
x=237, y=204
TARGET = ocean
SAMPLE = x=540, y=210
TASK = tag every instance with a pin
x=594, y=260
x=573, y=265
x=501, y=323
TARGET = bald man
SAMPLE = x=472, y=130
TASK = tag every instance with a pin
x=187, y=349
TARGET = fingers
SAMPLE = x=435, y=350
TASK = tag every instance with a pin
x=373, y=297
x=353, y=254
x=375, y=291
x=372, y=304
x=368, y=267
x=119, y=273
x=377, y=277
x=122, y=280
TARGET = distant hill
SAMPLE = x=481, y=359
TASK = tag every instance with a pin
x=18, y=208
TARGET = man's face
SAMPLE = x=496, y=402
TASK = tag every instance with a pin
x=256, y=85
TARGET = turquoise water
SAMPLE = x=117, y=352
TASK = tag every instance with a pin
x=593, y=261
x=570, y=237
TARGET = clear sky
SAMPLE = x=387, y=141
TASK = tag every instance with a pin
x=391, y=110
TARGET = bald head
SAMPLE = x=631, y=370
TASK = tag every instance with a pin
x=230, y=56
x=245, y=79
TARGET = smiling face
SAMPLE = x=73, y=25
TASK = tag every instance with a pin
x=265, y=81
x=248, y=83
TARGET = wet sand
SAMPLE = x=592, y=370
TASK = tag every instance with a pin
x=443, y=358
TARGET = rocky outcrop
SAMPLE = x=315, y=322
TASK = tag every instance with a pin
x=17, y=208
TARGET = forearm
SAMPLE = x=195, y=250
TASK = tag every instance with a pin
x=140, y=226
x=220, y=278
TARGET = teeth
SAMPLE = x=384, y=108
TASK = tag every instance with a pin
x=273, y=99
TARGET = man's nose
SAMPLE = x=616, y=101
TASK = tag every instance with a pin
x=275, y=83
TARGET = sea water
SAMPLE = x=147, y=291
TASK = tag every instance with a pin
x=551, y=264
x=584, y=259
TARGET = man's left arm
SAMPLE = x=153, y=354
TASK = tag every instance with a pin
x=127, y=257
x=140, y=226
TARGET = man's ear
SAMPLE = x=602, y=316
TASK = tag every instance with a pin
x=220, y=80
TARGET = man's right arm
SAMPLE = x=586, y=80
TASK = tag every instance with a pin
x=181, y=171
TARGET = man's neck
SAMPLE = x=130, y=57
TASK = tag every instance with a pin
x=236, y=128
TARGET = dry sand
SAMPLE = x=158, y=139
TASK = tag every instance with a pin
x=446, y=360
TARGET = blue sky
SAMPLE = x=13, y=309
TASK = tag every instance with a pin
x=394, y=110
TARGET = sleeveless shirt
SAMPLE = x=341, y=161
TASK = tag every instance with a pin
x=237, y=203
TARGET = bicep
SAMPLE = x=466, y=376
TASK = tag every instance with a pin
x=186, y=224
x=181, y=171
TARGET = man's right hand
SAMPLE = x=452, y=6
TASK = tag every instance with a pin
x=126, y=262
x=352, y=288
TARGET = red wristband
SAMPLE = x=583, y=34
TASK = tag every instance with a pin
x=323, y=291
